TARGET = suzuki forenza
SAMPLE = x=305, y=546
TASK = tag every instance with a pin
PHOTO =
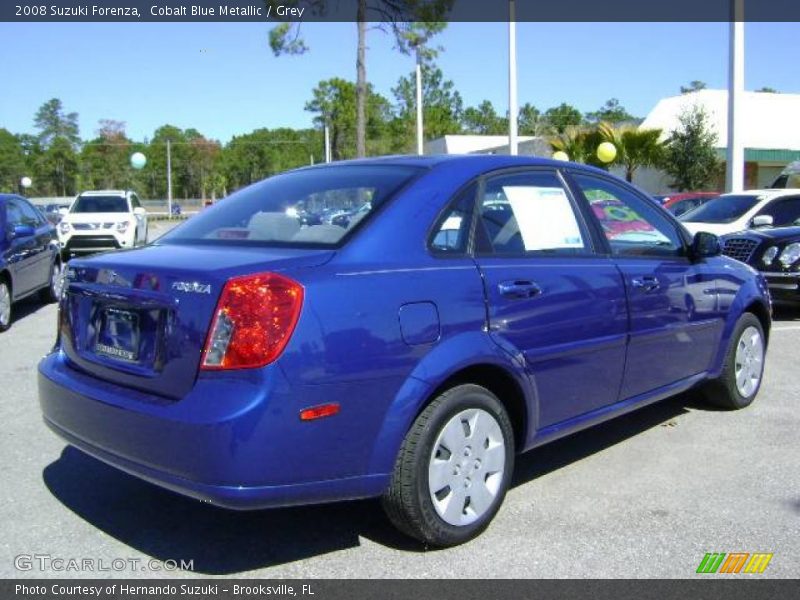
x=472, y=308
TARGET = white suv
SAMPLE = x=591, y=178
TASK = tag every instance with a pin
x=730, y=213
x=102, y=220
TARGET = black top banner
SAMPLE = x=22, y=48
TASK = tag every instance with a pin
x=399, y=10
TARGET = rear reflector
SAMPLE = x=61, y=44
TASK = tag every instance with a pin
x=318, y=412
x=254, y=319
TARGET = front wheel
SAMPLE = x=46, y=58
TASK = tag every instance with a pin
x=5, y=305
x=743, y=369
x=453, y=469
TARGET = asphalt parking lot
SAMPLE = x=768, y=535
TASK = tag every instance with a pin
x=646, y=495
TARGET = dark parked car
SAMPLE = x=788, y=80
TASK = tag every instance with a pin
x=29, y=256
x=250, y=361
x=774, y=252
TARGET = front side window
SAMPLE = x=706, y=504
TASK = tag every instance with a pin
x=783, y=212
x=631, y=224
x=530, y=213
x=100, y=204
x=19, y=212
x=316, y=207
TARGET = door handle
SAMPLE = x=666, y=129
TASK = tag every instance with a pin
x=648, y=283
x=519, y=288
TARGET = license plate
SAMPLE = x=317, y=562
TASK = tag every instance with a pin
x=119, y=335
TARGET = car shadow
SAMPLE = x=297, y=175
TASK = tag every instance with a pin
x=23, y=309
x=165, y=525
x=783, y=313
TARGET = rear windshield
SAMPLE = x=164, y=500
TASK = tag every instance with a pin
x=100, y=204
x=724, y=209
x=314, y=207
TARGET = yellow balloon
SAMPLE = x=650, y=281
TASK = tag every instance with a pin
x=606, y=152
x=560, y=155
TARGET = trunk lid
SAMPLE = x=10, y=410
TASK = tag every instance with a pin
x=140, y=318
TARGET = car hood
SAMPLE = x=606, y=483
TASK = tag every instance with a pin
x=96, y=217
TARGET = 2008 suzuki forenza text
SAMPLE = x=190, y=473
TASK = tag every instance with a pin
x=467, y=309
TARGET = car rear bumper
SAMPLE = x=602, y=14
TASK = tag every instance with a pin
x=783, y=287
x=228, y=442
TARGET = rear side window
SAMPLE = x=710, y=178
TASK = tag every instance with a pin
x=530, y=213
x=100, y=204
x=316, y=207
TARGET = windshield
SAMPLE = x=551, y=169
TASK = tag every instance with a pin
x=309, y=207
x=100, y=204
x=724, y=209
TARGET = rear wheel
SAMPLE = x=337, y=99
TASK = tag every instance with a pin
x=453, y=469
x=743, y=369
x=5, y=305
x=52, y=293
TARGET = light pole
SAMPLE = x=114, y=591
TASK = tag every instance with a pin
x=169, y=179
x=734, y=180
x=513, y=147
x=420, y=147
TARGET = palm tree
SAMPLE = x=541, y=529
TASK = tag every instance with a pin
x=635, y=147
x=579, y=143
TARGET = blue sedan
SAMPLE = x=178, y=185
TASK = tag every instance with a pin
x=473, y=308
x=29, y=256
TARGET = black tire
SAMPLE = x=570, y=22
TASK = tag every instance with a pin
x=408, y=502
x=723, y=392
x=5, y=292
x=49, y=295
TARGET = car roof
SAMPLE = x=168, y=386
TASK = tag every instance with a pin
x=487, y=161
x=767, y=193
x=105, y=193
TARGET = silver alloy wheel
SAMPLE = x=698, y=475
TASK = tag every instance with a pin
x=5, y=304
x=749, y=365
x=57, y=280
x=466, y=467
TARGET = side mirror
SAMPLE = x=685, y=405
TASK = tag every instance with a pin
x=763, y=221
x=22, y=231
x=705, y=245
x=63, y=211
x=139, y=211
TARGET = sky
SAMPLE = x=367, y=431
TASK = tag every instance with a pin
x=222, y=79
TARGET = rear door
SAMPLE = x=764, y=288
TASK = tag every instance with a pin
x=141, y=220
x=551, y=297
x=675, y=322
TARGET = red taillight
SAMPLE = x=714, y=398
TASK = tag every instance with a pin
x=254, y=319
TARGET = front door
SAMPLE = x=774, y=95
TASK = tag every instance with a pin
x=674, y=318
x=551, y=298
x=23, y=254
